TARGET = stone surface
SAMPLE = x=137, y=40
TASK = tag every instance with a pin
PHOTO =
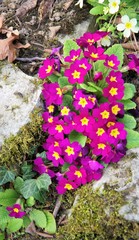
x=124, y=177
x=18, y=97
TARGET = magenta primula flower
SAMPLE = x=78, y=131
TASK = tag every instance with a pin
x=95, y=53
x=116, y=133
x=65, y=185
x=54, y=155
x=84, y=64
x=52, y=93
x=51, y=142
x=47, y=69
x=98, y=76
x=49, y=121
x=15, y=211
x=78, y=175
x=114, y=92
x=41, y=168
x=134, y=63
x=112, y=62
x=117, y=108
x=90, y=38
x=74, y=55
x=115, y=77
x=70, y=150
x=100, y=148
x=65, y=111
x=98, y=131
x=83, y=101
x=102, y=113
x=84, y=122
x=75, y=74
x=57, y=129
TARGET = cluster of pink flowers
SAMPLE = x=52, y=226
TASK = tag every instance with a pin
x=97, y=122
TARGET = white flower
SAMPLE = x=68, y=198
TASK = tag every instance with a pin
x=113, y=6
x=105, y=41
x=128, y=26
x=100, y=1
x=80, y=3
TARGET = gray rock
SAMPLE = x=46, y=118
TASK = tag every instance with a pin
x=18, y=97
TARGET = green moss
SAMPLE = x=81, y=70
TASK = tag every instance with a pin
x=30, y=137
x=96, y=217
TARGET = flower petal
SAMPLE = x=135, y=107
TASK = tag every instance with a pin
x=135, y=29
x=125, y=19
x=127, y=33
x=133, y=21
x=120, y=27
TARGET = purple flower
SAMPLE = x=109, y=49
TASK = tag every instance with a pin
x=70, y=150
x=134, y=63
x=112, y=62
x=95, y=53
x=74, y=54
x=65, y=185
x=75, y=74
x=115, y=77
x=15, y=211
x=114, y=92
x=47, y=69
x=41, y=168
x=54, y=155
x=90, y=38
x=78, y=175
x=52, y=93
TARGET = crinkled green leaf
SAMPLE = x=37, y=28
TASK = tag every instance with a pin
x=50, y=223
x=132, y=138
x=6, y=176
x=68, y=46
x=4, y=217
x=53, y=78
x=42, y=155
x=38, y=217
x=63, y=81
x=129, y=121
x=27, y=171
x=18, y=183
x=128, y=104
x=98, y=10
x=129, y=91
x=77, y=137
x=88, y=88
x=8, y=197
x=65, y=167
x=26, y=221
x=14, y=224
x=43, y=181
x=67, y=100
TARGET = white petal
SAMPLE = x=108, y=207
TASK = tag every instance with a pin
x=125, y=19
x=135, y=29
x=120, y=27
x=133, y=21
x=113, y=9
x=127, y=33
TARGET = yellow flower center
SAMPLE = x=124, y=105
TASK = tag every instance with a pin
x=16, y=210
x=56, y=155
x=105, y=114
x=82, y=102
x=50, y=119
x=94, y=55
x=82, y=66
x=69, y=151
x=78, y=174
x=101, y=146
x=92, y=99
x=59, y=92
x=128, y=25
x=50, y=108
x=115, y=109
x=76, y=74
x=111, y=63
x=90, y=41
x=65, y=111
x=113, y=91
x=100, y=131
x=49, y=68
x=68, y=186
x=114, y=4
x=59, y=128
x=113, y=79
x=88, y=140
x=109, y=124
x=74, y=58
x=84, y=121
x=114, y=132
x=56, y=144
x=80, y=154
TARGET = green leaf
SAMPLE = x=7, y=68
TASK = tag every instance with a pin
x=27, y=171
x=43, y=181
x=129, y=91
x=38, y=217
x=95, y=86
x=6, y=176
x=128, y=104
x=18, y=183
x=2, y=237
x=67, y=100
x=50, y=223
x=117, y=50
x=129, y=121
x=14, y=225
x=68, y=46
x=32, y=187
x=42, y=155
x=63, y=81
x=8, y=198
x=53, y=78
x=132, y=138
x=87, y=88
x=77, y=137
x=65, y=167
x=98, y=10
x=26, y=221
x=4, y=217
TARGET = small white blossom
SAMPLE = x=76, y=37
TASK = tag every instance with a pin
x=100, y=1
x=80, y=3
x=105, y=41
x=113, y=6
x=128, y=26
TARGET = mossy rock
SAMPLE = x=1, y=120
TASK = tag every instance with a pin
x=17, y=147
x=95, y=216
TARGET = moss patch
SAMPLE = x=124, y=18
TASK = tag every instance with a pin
x=96, y=217
x=16, y=148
